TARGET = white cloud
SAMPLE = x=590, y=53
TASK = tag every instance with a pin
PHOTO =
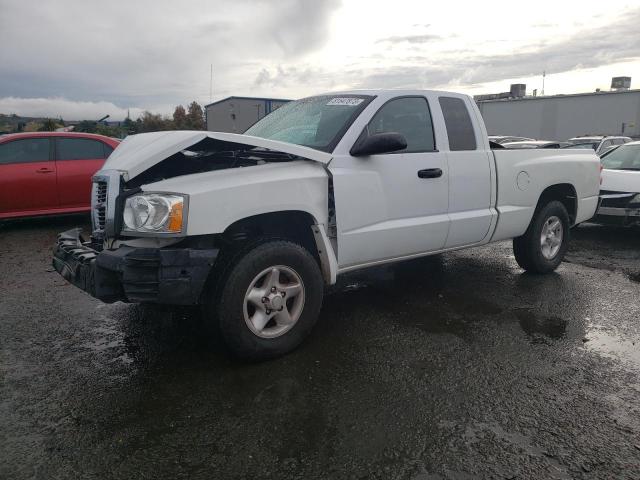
x=84, y=59
x=64, y=108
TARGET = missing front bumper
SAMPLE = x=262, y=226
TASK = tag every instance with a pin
x=173, y=276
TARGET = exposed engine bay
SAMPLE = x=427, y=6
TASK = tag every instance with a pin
x=209, y=155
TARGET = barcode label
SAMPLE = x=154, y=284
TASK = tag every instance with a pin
x=345, y=101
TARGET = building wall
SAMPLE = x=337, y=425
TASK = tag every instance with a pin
x=563, y=117
x=235, y=115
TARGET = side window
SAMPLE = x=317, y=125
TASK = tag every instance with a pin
x=25, y=151
x=618, y=141
x=458, y=123
x=408, y=116
x=79, y=149
x=606, y=143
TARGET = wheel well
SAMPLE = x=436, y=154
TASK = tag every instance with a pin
x=292, y=225
x=563, y=192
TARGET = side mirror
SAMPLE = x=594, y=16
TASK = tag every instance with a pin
x=378, y=143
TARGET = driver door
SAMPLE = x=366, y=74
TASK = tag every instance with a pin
x=392, y=205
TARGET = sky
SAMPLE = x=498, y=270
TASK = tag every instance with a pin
x=83, y=59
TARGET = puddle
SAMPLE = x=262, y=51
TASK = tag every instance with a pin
x=537, y=326
x=110, y=341
x=613, y=346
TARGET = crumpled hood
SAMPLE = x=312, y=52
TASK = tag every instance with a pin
x=620, y=180
x=138, y=153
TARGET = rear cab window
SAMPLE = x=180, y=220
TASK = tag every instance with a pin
x=458, y=123
x=25, y=150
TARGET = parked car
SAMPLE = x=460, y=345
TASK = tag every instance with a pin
x=47, y=173
x=536, y=144
x=506, y=139
x=600, y=143
x=620, y=190
x=252, y=226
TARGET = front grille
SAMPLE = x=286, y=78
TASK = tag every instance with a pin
x=107, y=185
x=99, y=202
x=100, y=206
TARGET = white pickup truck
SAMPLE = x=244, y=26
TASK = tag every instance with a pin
x=253, y=226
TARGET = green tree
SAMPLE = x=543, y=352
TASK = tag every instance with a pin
x=130, y=127
x=86, y=126
x=49, y=125
x=180, y=120
x=154, y=122
x=195, y=117
x=110, y=131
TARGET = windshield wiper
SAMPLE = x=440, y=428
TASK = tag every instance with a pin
x=629, y=168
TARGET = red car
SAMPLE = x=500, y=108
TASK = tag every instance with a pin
x=47, y=173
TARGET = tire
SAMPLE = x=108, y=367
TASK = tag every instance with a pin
x=253, y=329
x=532, y=252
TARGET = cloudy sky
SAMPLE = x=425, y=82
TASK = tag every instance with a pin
x=85, y=59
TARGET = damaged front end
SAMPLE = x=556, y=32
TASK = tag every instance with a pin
x=117, y=263
x=618, y=208
x=209, y=155
x=174, y=276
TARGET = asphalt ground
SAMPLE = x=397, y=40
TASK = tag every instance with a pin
x=458, y=366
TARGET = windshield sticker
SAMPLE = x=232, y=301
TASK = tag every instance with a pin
x=352, y=102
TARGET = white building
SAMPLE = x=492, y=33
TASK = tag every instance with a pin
x=560, y=117
x=236, y=114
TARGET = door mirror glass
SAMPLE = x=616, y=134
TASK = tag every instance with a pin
x=379, y=143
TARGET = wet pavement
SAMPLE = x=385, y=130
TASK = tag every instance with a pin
x=458, y=366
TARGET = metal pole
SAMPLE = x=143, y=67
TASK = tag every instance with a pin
x=211, y=83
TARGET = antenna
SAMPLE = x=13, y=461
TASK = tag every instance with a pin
x=211, y=84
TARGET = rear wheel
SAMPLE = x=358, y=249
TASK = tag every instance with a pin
x=269, y=300
x=544, y=244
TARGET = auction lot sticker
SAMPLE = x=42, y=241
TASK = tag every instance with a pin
x=345, y=101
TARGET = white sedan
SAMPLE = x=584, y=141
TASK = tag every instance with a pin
x=620, y=190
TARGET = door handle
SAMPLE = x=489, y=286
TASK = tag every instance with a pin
x=44, y=170
x=430, y=173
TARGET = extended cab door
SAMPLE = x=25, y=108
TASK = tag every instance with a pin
x=395, y=204
x=77, y=159
x=470, y=172
x=27, y=177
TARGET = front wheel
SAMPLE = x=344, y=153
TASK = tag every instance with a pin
x=269, y=300
x=544, y=244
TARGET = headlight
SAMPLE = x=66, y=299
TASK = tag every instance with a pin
x=154, y=213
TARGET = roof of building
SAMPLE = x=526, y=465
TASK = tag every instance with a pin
x=264, y=99
x=561, y=95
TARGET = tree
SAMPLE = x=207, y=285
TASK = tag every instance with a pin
x=110, y=130
x=154, y=122
x=86, y=126
x=195, y=117
x=130, y=127
x=49, y=125
x=180, y=121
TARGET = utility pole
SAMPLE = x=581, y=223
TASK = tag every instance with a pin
x=211, y=84
x=544, y=74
